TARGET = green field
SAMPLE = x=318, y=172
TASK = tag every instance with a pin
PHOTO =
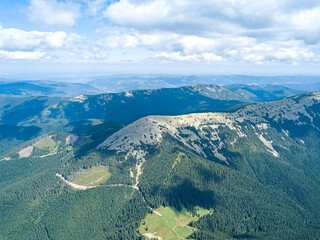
x=93, y=177
x=48, y=143
x=46, y=146
x=171, y=225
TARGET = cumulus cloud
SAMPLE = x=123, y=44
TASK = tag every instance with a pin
x=96, y=6
x=306, y=25
x=174, y=47
x=178, y=56
x=53, y=13
x=257, y=54
x=19, y=44
x=254, y=31
x=204, y=17
x=20, y=55
x=197, y=17
x=258, y=31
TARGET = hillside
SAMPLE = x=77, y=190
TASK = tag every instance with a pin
x=42, y=115
x=129, y=106
x=272, y=145
x=263, y=93
x=242, y=174
x=193, y=129
x=134, y=104
x=45, y=88
x=121, y=83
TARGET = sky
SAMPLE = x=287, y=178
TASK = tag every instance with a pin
x=160, y=36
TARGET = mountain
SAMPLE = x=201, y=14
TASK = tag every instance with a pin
x=45, y=88
x=201, y=132
x=129, y=106
x=263, y=93
x=14, y=112
x=23, y=89
x=89, y=85
x=250, y=173
x=121, y=83
x=23, y=118
x=133, y=104
x=270, y=148
x=48, y=114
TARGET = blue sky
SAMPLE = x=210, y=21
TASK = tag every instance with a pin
x=160, y=36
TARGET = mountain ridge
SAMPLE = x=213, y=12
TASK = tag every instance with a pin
x=254, y=169
x=200, y=133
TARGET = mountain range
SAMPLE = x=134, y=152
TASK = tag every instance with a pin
x=28, y=117
x=44, y=88
x=196, y=162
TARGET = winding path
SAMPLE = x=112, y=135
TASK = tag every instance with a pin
x=73, y=185
x=81, y=187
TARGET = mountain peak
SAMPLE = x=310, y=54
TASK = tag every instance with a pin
x=202, y=132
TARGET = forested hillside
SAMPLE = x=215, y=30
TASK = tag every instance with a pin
x=24, y=118
x=242, y=174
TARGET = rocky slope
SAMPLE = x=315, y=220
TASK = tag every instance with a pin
x=211, y=134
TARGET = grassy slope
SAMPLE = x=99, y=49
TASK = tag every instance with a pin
x=172, y=224
x=93, y=177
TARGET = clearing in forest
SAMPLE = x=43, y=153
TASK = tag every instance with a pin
x=93, y=177
x=172, y=224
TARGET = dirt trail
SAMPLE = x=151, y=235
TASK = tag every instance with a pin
x=5, y=159
x=152, y=236
x=154, y=211
x=81, y=187
x=49, y=154
x=73, y=185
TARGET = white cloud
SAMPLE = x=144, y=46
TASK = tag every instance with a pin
x=119, y=41
x=259, y=18
x=178, y=56
x=306, y=25
x=136, y=13
x=264, y=53
x=53, y=13
x=95, y=7
x=174, y=47
x=251, y=31
x=18, y=44
x=195, y=17
x=255, y=31
x=21, y=55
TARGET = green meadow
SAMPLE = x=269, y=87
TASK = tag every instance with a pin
x=93, y=177
x=172, y=224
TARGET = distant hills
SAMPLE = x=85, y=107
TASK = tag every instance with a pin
x=120, y=83
x=262, y=93
x=71, y=87
x=45, y=88
x=126, y=107
x=50, y=114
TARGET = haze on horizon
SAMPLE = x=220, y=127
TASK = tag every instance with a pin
x=160, y=36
